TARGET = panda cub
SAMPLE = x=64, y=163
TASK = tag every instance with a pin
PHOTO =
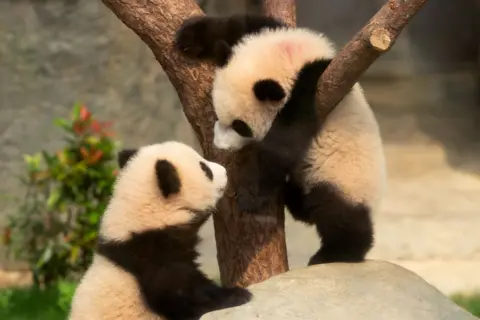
x=264, y=94
x=144, y=265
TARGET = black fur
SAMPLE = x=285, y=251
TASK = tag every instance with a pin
x=285, y=144
x=212, y=38
x=268, y=90
x=208, y=172
x=163, y=262
x=124, y=155
x=221, y=53
x=242, y=128
x=346, y=229
x=167, y=178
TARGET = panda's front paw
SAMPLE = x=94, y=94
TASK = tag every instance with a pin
x=322, y=257
x=193, y=37
x=250, y=202
x=238, y=296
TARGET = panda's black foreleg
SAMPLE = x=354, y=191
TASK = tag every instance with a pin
x=262, y=176
x=346, y=229
x=294, y=201
x=180, y=291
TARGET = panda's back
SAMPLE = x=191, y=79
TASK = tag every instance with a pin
x=107, y=292
x=348, y=152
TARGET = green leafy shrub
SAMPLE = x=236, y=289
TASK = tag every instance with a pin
x=55, y=228
x=51, y=303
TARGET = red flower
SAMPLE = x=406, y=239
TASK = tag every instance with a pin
x=84, y=113
x=97, y=155
x=78, y=128
x=84, y=153
x=95, y=126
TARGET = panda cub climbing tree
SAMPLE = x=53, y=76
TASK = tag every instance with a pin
x=144, y=266
x=264, y=93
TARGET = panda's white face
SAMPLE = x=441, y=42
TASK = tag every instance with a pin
x=255, y=84
x=161, y=185
x=227, y=138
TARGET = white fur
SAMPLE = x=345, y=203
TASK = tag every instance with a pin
x=226, y=138
x=107, y=292
x=347, y=152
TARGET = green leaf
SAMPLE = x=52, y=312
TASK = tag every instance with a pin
x=49, y=159
x=46, y=256
x=74, y=253
x=63, y=124
x=53, y=198
x=93, y=217
x=91, y=235
x=33, y=161
x=76, y=110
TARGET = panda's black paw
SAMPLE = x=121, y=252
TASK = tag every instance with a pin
x=250, y=202
x=237, y=296
x=328, y=257
x=194, y=38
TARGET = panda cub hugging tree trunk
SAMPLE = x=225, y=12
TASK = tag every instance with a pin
x=264, y=93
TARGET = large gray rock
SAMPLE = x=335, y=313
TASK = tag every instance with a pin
x=371, y=290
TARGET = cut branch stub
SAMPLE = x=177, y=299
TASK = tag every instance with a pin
x=380, y=39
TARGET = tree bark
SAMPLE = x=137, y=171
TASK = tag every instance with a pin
x=251, y=249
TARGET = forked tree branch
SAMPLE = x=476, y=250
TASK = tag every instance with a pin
x=250, y=250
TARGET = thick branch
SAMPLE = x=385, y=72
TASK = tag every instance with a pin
x=376, y=38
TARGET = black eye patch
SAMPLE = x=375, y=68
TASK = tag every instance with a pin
x=242, y=128
x=208, y=172
x=268, y=90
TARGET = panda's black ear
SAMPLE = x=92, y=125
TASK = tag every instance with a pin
x=222, y=52
x=167, y=178
x=268, y=90
x=124, y=155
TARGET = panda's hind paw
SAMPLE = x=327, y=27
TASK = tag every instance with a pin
x=239, y=296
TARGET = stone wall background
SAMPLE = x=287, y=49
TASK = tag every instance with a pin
x=424, y=92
